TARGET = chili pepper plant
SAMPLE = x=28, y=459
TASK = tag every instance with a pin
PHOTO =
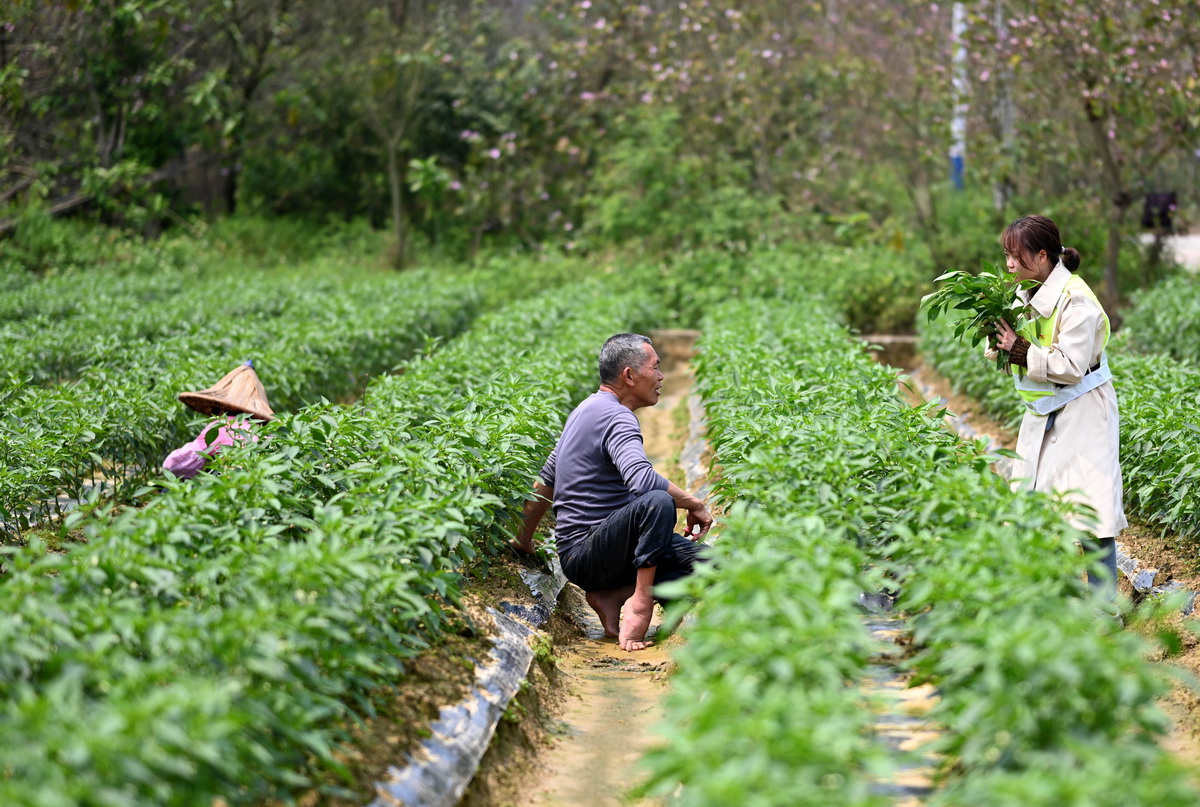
x=985, y=298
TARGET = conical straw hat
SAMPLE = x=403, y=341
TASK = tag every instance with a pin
x=239, y=391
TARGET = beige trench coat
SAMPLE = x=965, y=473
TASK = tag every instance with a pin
x=1080, y=456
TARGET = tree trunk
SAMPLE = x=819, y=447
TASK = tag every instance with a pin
x=395, y=182
x=1119, y=201
x=1112, y=254
x=229, y=188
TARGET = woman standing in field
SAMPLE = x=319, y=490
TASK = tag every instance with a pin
x=1069, y=439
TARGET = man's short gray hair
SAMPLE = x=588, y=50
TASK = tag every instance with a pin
x=621, y=351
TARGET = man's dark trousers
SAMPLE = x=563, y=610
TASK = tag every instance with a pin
x=639, y=534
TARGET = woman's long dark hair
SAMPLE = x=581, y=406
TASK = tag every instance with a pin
x=1029, y=235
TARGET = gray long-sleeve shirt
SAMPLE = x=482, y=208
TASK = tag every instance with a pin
x=598, y=467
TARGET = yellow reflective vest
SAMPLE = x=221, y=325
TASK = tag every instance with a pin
x=1046, y=397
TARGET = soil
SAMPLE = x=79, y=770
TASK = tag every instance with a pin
x=442, y=675
x=1154, y=548
x=1175, y=561
x=611, y=701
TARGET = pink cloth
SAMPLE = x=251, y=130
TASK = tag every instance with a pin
x=190, y=458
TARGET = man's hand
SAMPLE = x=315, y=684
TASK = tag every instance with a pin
x=699, y=520
x=531, y=516
x=1007, y=337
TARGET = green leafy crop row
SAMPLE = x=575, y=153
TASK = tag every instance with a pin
x=94, y=360
x=215, y=642
x=1033, y=688
x=760, y=711
x=121, y=416
x=1166, y=319
x=871, y=290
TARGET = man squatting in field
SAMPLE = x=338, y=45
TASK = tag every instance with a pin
x=615, y=516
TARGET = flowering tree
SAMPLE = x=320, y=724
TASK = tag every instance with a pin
x=728, y=94
x=896, y=107
x=1105, y=91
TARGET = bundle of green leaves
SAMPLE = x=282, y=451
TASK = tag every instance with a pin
x=988, y=297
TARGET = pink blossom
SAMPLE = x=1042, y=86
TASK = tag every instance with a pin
x=494, y=154
x=600, y=23
x=647, y=97
x=455, y=185
x=984, y=75
x=587, y=96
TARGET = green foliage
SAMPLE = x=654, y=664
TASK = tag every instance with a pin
x=968, y=229
x=317, y=110
x=649, y=188
x=759, y=710
x=96, y=403
x=42, y=245
x=1166, y=319
x=120, y=411
x=291, y=240
x=872, y=289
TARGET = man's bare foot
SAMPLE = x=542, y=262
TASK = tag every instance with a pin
x=636, y=621
x=521, y=548
x=607, y=605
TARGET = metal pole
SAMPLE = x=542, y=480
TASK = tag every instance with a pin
x=958, y=123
